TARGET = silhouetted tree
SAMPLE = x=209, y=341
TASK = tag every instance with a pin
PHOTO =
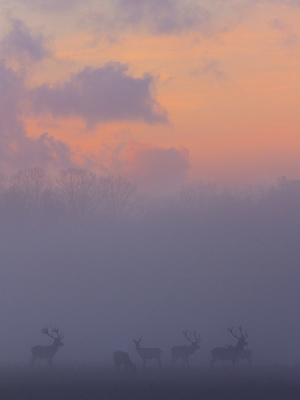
x=77, y=189
x=118, y=197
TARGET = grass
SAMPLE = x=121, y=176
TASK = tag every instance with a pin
x=89, y=383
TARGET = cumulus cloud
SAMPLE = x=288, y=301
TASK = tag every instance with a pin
x=24, y=44
x=158, y=169
x=100, y=95
x=17, y=148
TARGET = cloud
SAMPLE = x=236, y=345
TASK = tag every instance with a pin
x=163, y=16
x=160, y=17
x=17, y=149
x=24, y=44
x=158, y=169
x=210, y=68
x=288, y=37
x=53, y=5
x=101, y=95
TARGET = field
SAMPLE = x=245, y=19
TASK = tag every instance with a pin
x=91, y=383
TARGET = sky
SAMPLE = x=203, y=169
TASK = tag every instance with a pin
x=173, y=97
x=160, y=92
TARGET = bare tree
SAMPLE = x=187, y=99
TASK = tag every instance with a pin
x=117, y=197
x=122, y=358
x=29, y=185
x=47, y=352
x=148, y=353
x=185, y=351
x=77, y=188
x=231, y=352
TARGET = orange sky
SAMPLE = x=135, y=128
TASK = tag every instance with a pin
x=231, y=95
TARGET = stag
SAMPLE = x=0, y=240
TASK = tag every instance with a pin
x=47, y=352
x=185, y=351
x=147, y=353
x=245, y=355
x=121, y=357
x=232, y=353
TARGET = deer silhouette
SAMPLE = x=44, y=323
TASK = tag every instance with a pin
x=122, y=358
x=245, y=355
x=147, y=353
x=232, y=353
x=185, y=351
x=47, y=352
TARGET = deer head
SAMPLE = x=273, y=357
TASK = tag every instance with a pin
x=242, y=338
x=57, y=339
x=194, y=343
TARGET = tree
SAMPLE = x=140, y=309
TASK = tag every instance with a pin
x=117, y=196
x=77, y=189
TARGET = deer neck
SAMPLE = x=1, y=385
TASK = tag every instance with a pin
x=192, y=348
x=240, y=346
x=138, y=347
x=55, y=346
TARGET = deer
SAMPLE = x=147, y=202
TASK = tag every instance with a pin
x=121, y=357
x=148, y=353
x=245, y=355
x=185, y=351
x=232, y=353
x=47, y=352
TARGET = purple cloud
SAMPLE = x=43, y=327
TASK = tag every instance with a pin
x=162, y=17
x=21, y=42
x=17, y=149
x=159, y=169
x=210, y=68
x=101, y=95
x=53, y=5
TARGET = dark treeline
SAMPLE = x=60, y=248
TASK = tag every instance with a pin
x=106, y=264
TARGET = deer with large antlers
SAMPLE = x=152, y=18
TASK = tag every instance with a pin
x=122, y=358
x=148, y=353
x=47, y=352
x=232, y=353
x=185, y=351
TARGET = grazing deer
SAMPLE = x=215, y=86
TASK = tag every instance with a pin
x=185, y=351
x=147, y=353
x=232, y=353
x=47, y=352
x=121, y=357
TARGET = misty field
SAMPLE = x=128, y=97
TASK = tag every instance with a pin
x=90, y=383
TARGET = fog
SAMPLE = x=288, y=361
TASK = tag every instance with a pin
x=106, y=264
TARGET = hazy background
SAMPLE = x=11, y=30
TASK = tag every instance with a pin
x=106, y=264
x=115, y=116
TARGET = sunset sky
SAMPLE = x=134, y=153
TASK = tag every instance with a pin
x=159, y=91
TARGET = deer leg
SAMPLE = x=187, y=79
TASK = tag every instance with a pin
x=32, y=361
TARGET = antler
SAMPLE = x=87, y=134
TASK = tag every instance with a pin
x=197, y=339
x=58, y=336
x=243, y=336
x=54, y=330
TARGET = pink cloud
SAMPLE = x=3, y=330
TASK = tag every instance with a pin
x=158, y=169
